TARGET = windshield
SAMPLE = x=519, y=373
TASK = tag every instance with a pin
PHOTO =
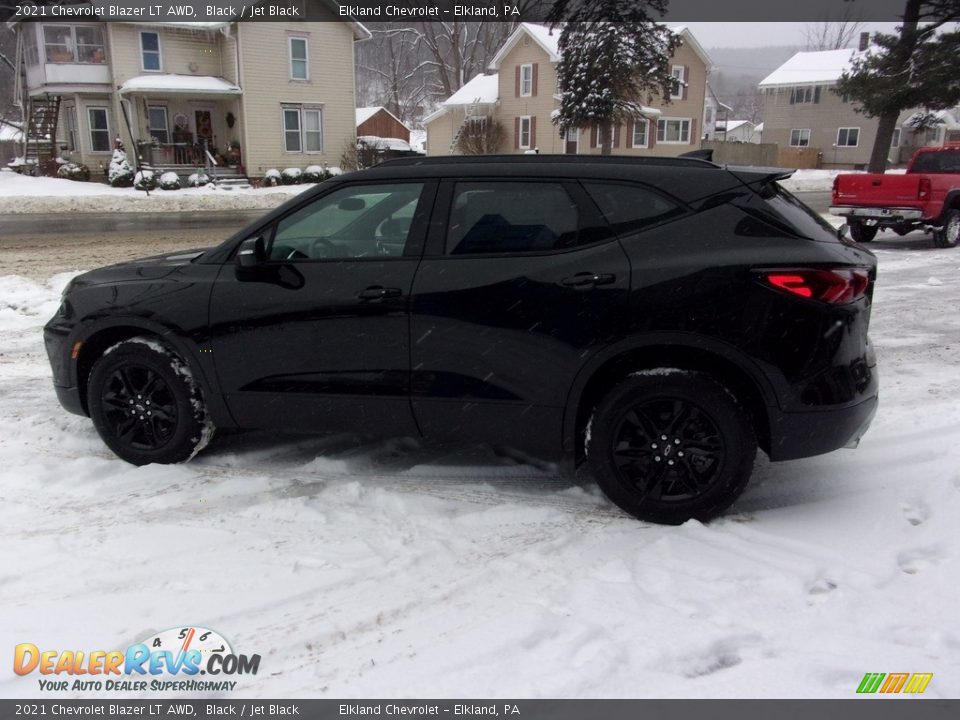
x=941, y=161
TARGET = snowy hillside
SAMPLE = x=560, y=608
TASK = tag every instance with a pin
x=389, y=569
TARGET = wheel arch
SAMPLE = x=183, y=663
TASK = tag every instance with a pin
x=109, y=332
x=950, y=202
x=735, y=372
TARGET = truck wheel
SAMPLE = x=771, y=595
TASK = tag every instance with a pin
x=949, y=235
x=863, y=233
x=145, y=404
x=668, y=445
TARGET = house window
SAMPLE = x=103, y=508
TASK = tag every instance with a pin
x=678, y=73
x=805, y=95
x=150, y=51
x=99, y=129
x=71, y=113
x=673, y=130
x=800, y=138
x=58, y=42
x=639, y=139
x=159, y=129
x=524, y=140
x=299, y=67
x=526, y=80
x=302, y=129
x=848, y=137
x=895, y=140
x=31, y=52
x=90, y=45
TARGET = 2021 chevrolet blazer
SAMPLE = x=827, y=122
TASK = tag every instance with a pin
x=659, y=319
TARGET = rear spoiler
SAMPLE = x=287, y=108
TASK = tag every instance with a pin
x=758, y=176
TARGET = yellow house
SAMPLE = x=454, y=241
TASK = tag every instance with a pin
x=253, y=96
x=521, y=93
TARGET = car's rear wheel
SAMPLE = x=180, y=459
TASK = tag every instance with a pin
x=146, y=405
x=863, y=233
x=948, y=236
x=669, y=445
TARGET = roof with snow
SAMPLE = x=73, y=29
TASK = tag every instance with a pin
x=731, y=125
x=823, y=67
x=365, y=113
x=481, y=90
x=171, y=83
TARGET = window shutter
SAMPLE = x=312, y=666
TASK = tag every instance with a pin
x=516, y=82
x=533, y=84
x=793, y=95
x=652, y=133
x=693, y=131
x=533, y=129
x=630, y=124
x=593, y=136
x=516, y=132
x=616, y=136
x=816, y=94
x=686, y=80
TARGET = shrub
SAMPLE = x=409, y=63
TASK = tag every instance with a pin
x=315, y=174
x=291, y=176
x=170, y=181
x=74, y=171
x=145, y=180
x=271, y=178
x=120, y=174
x=198, y=179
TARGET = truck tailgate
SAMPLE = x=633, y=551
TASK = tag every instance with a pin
x=874, y=190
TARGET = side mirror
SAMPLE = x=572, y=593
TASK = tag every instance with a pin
x=352, y=204
x=252, y=253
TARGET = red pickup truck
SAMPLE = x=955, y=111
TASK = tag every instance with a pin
x=927, y=197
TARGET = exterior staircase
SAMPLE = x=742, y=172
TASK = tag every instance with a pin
x=41, y=134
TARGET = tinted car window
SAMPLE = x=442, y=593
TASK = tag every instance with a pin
x=801, y=218
x=943, y=161
x=353, y=222
x=500, y=217
x=628, y=207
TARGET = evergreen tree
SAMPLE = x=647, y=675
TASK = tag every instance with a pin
x=917, y=67
x=613, y=59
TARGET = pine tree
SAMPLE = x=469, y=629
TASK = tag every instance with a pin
x=613, y=60
x=918, y=67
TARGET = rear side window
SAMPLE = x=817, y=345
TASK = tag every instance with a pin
x=942, y=161
x=629, y=208
x=802, y=219
x=511, y=217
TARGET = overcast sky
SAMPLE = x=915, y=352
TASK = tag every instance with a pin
x=758, y=34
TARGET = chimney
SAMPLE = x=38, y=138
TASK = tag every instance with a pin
x=864, y=40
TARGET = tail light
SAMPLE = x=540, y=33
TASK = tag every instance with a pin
x=836, y=286
x=923, y=189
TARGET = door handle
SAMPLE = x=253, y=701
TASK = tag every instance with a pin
x=378, y=292
x=587, y=280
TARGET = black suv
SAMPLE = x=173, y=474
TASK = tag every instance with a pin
x=657, y=318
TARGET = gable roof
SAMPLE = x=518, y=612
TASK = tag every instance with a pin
x=549, y=40
x=481, y=90
x=365, y=113
x=731, y=125
x=822, y=67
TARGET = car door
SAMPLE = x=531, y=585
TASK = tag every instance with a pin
x=520, y=283
x=316, y=336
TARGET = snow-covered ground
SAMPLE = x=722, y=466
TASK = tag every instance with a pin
x=384, y=569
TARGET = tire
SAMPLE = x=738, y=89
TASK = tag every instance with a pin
x=697, y=472
x=145, y=404
x=949, y=235
x=863, y=233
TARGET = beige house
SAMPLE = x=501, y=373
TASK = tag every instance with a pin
x=253, y=95
x=801, y=110
x=521, y=93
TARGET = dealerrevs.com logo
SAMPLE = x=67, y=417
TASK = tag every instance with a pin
x=168, y=661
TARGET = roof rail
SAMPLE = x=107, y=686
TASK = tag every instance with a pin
x=548, y=160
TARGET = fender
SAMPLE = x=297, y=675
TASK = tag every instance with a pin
x=665, y=342
x=950, y=202
x=200, y=367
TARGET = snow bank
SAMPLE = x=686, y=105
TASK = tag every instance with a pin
x=396, y=569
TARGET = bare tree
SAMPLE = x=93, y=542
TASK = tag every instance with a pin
x=456, y=51
x=481, y=138
x=393, y=72
x=836, y=34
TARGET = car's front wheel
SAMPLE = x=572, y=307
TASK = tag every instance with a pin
x=146, y=405
x=668, y=445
